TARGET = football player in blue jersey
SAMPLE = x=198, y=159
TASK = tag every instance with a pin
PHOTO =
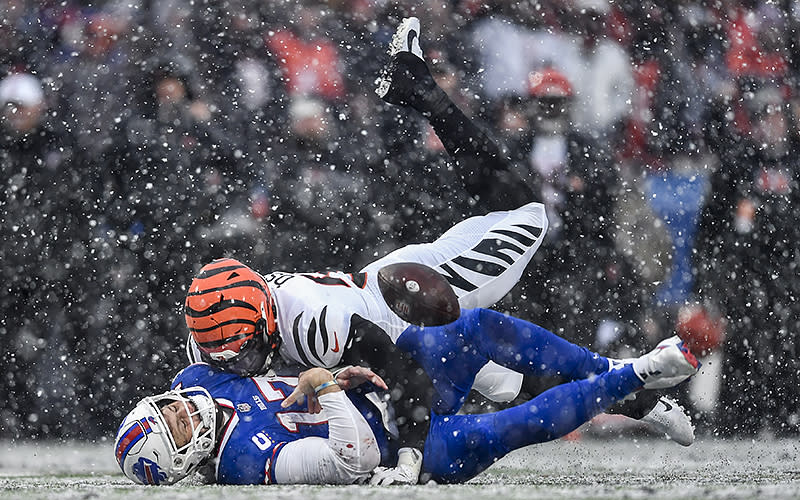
x=278, y=429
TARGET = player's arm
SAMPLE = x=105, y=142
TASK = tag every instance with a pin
x=348, y=455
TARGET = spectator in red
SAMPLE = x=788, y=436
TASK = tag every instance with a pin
x=310, y=62
x=756, y=41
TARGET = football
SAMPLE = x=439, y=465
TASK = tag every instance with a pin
x=700, y=330
x=418, y=294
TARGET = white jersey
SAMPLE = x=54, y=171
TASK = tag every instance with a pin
x=482, y=258
x=314, y=313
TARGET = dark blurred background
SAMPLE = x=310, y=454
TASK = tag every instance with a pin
x=140, y=139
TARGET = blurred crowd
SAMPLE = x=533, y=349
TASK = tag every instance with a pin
x=140, y=139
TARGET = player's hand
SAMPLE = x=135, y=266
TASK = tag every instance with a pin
x=409, y=464
x=306, y=383
x=353, y=376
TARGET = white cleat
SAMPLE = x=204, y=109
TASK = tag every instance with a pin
x=669, y=418
x=406, y=78
x=406, y=38
x=669, y=364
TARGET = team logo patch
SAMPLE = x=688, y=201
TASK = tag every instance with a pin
x=148, y=472
x=243, y=407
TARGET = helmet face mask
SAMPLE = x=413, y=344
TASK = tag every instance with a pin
x=231, y=316
x=145, y=448
x=253, y=358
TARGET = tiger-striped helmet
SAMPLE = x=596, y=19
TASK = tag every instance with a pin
x=231, y=316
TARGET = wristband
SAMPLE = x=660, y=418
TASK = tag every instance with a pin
x=324, y=385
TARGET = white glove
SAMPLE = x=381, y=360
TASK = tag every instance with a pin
x=409, y=463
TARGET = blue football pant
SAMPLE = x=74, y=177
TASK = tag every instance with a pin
x=459, y=447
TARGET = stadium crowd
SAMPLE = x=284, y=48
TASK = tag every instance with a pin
x=141, y=139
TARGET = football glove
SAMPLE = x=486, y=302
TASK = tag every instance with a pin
x=409, y=464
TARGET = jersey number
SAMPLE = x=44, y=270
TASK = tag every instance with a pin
x=262, y=441
x=359, y=280
x=290, y=420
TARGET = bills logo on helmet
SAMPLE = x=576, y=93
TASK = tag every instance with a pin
x=149, y=472
x=135, y=433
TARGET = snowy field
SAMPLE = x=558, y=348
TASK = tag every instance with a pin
x=590, y=468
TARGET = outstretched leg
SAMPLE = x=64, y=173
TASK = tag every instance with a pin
x=481, y=162
x=452, y=354
x=461, y=446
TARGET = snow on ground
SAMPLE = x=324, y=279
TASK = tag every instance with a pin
x=589, y=468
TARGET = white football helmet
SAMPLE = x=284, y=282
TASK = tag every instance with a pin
x=146, y=450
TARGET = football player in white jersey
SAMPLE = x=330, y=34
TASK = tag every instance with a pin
x=244, y=322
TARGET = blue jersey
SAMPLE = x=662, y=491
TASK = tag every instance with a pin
x=254, y=436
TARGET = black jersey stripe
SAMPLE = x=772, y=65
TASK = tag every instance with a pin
x=323, y=329
x=479, y=266
x=190, y=352
x=517, y=236
x=493, y=246
x=456, y=279
x=533, y=230
x=311, y=339
x=296, y=337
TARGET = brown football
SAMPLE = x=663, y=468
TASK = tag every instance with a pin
x=418, y=294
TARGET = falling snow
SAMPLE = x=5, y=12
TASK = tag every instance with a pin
x=139, y=140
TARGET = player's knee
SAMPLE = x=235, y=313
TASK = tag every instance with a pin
x=474, y=324
x=371, y=460
x=487, y=318
x=367, y=458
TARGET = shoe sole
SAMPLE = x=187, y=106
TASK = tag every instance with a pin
x=406, y=38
